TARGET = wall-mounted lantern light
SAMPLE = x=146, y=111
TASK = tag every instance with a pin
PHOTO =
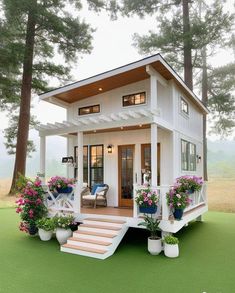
x=199, y=158
x=110, y=149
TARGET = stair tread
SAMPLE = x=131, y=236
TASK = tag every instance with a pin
x=95, y=233
x=88, y=249
x=86, y=240
x=100, y=227
x=106, y=220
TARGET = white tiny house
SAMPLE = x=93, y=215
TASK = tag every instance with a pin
x=137, y=119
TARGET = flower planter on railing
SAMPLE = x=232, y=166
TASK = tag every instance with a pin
x=65, y=189
x=148, y=210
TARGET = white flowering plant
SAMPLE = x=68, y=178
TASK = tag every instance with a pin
x=64, y=222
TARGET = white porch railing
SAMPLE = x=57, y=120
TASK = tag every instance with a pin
x=163, y=210
x=63, y=202
x=197, y=198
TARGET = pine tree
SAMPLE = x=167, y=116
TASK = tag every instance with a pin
x=34, y=31
x=185, y=35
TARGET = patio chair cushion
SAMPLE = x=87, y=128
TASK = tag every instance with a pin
x=93, y=191
x=92, y=197
x=100, y=190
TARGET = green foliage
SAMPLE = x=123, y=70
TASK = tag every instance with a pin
x=151, y=224
x=171, y=240
x=221, y=86
x=10, y=134
x=46, y=224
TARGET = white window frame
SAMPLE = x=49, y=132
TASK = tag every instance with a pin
x=182, y=112
x=188, y=144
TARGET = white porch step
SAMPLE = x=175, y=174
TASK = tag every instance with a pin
x=86, y=249
x=96, y=238
x=99, y=229
x=105, y=222
x=96, y=244
x=93, y=235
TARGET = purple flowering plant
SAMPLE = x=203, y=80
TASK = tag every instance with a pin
x=60, y=182
x=178, y=195
x=189, y=183
x=30, y=204
x=146, y=197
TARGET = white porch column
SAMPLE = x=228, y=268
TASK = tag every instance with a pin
x=70, y=152
x=77, y=197
x=153, y=92
x=42, y=158
x=154, y=154
x=137, y=164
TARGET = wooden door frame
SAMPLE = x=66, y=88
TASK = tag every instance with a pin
x=158, y=159
x=124, y=202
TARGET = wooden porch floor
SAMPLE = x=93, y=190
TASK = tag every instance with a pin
x=111, y=211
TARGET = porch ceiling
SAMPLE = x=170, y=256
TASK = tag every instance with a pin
x=116, y=78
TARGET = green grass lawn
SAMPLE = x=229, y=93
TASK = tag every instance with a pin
x=206, y=262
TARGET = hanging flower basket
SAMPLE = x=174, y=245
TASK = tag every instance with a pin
x=64, y=190
x=148, y=210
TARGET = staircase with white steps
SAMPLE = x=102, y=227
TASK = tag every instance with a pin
x=96, y=237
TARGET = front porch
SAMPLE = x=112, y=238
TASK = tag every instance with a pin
x=132, y=216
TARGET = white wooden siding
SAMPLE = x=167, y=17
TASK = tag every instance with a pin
x=111, y=101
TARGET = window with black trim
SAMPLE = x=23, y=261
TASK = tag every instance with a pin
x=188, y=156
x=89, y=110
x=184, y=108
x=96, y=164
x=134, y=99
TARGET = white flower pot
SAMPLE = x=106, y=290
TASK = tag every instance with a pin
x=154, y=246
x=63, y=234
x=171, y=250
x=45, y=235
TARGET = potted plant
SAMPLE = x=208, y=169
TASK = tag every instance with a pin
x=30, y=204
x=171, y=246
x=178, y=201
x=63, y=230
x=154, y=242
x=189, y=184
x=147, y=200
x=46, y=228
x=61, y=184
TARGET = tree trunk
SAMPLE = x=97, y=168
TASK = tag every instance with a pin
x=188, y=68
x=205, y=102
x=24, y=115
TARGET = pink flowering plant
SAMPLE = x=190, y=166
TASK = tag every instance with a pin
x=30, y=204
x=146, y=197
x=177, y=199
x=189, y=184
x=60, y=182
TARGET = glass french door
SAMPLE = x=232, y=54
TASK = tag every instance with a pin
x=126, y=175
x=146, y=160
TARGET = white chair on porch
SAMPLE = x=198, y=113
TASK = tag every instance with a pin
x=96, y=196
